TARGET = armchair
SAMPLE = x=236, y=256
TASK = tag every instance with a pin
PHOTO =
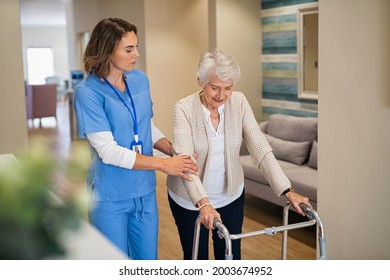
x=41, y=101
x=61, y=86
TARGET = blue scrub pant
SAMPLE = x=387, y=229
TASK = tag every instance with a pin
x=232, y=216
x=132, y=225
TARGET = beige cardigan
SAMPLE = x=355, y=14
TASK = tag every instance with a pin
x=190, y=135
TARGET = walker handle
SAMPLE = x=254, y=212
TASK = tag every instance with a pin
x=216, y=223
x=310, y=213
x=305, y=208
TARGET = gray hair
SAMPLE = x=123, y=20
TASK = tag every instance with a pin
x=217, y=63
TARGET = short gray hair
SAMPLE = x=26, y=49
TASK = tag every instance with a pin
x=217, y=63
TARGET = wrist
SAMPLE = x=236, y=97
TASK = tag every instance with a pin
x=204, y=205
x=168, y=149
x=160, y=164
x=201, y=202
x=289, y=190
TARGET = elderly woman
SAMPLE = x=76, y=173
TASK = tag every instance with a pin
x=212, y=123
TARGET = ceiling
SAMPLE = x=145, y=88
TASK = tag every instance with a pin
x=42, y=12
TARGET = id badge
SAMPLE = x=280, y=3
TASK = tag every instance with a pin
x=136, y=146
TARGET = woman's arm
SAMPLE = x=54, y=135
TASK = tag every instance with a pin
x=160, y=142
x=164, y=146
x=111, y=153
x=183, y=144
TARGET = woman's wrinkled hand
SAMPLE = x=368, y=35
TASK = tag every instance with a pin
x=207, y=216
x=296, y=199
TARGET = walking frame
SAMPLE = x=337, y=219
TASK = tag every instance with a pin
x=313, y=218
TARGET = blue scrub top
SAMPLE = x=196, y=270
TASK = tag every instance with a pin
x=99, y=109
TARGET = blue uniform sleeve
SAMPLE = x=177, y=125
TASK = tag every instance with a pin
x=89, y=107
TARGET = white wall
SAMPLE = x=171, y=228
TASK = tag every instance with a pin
x=47, y=37
x=13, y=123
x=354, y=127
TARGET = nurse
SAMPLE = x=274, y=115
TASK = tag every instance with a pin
x=114, y=112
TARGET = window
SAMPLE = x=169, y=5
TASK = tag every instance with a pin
x=40, y=64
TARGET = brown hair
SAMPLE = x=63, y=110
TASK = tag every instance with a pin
x=104, y=39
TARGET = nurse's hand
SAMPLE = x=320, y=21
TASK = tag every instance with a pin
x=179, y=166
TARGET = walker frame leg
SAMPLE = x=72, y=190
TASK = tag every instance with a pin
x=224, y=233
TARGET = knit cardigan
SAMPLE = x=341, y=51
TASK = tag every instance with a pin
x=191, y=135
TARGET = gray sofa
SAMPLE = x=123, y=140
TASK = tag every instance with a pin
x=294, y=144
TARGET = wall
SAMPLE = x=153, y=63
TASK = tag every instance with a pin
x=172, y=35
x=132, y=11
x=280, y=60
x=82, y=16
x=55, y=38
x=354, y=119
x=176, y=33
x=242, y=39
x=13, y=123
x=354, y=128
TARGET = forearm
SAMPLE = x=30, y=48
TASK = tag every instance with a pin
x=143, y=162
x=274, y=174
x=164, y=146
x=109, y=151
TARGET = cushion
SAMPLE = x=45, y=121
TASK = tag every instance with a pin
x=252, y=172
x=291, y=128
x=244, y=149
x=304, y=179
x=313, y=156
x=295, y=152
x=263, y=126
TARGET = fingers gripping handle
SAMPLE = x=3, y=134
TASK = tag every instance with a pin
x=217, y=223
x=305, y=208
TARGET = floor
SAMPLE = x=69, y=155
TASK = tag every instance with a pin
x=258, y=214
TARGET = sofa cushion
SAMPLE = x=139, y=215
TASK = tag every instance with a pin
x=295, y=152
x=291, y=128
x=303, y=178
x=250, y=171
x=263, y=126
x=313, y=156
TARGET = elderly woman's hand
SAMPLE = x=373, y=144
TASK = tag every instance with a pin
x=207, y=213
x=296, y=199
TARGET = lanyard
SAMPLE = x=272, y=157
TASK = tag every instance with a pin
x=133, y=116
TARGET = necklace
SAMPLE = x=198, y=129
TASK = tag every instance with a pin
x=202, y=100
x=215, y=118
